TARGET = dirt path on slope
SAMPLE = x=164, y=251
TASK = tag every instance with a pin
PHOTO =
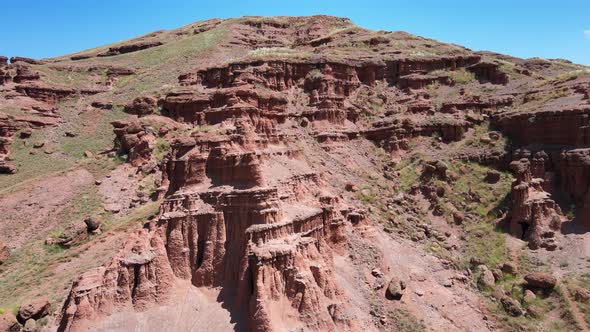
x=575, y=310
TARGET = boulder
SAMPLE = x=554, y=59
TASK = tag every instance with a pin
x=35, y=309
x=8, y=323
x=511, y=306
x=529, y=296
x=540, y=280
x=395, y=289
x=498, y=293
x=509, y=267
x=4, y=252
x=498, y=274
x=486, y=278
x=30, y=325
x=492, y=177
x=92, y=223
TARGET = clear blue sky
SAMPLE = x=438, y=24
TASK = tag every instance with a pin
x=523, y=28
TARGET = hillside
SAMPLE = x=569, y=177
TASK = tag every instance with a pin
x=293, y=174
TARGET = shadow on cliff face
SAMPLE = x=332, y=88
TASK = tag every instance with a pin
x=573, y=227
x=574, y=224
x=228, y=299
x=501, y=213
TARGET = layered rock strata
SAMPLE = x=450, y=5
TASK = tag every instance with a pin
x=535, y=217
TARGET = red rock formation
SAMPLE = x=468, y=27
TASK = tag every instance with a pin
x=489, y=72
x=128, y=48
x=142, y=106
x=7, y=129
x=42, y=92
x=138, y=276
x=280, y=75
x=420, y=81
x=574, y=173
x=210, y=108
x=222, y=226
x=534, y=216
x=242, y=211
x=16, y=59
x=25, y=73
x=134, y=141
x=477, y=103
x=390, y=134
x=114, y=73
x=561, y=126
x=35, y=309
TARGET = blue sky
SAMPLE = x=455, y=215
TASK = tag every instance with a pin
x=523, y=28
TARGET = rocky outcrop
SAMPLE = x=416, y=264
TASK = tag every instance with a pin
x=420, y=81
x=7, y=129
x=223, y=225
x=560, y=126
x=131, y=47
x=540, y=280
x=235, y=243
x=44, y=93
x=192, y=106
x=511, y=306
x=142, y=106
x=574, y=173
x=35, y=309
x=480, y=104
x=534, y=216
x=393, y=134
x=489, y=72
x=280, y=75
x=133, y=140
x=25, y=73
x=138, y=276
x=16, y=59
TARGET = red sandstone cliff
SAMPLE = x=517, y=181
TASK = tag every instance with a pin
x=270, y=127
